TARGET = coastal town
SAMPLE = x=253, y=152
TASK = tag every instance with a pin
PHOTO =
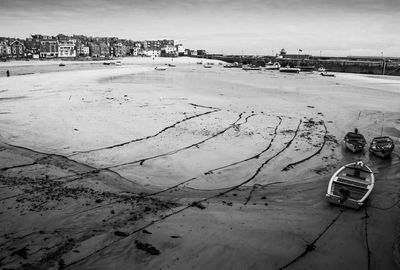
x=79, y=47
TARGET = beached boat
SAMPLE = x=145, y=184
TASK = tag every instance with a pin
x=171, y=65
x=321, y=69
x=233, y=65
x=289, y=70
x=160, y=68
x=351, y=185
x=251, y=68
x=207, y=66
x=306, y=68
x=107, y=63
x=354, y=141
x=62, y=65
x=326, y=74
x=274, y=66
x=118, y=63
x=382, y=146
x=199, y=63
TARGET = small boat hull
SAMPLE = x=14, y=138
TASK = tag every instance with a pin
x=351, y=185
x=289, y=70
x=160, y=68
x=355, y=142
x=381, y=147
x=325, y=74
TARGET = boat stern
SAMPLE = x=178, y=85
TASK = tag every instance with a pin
x=334, y=199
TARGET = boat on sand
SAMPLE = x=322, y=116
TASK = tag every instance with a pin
x=382, y=146
x=354, y=141
x=160, y=68
x=326, y=74
x=351, y=185
x=289, y=70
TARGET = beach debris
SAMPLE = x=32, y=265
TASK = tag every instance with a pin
x=176, y=236
x=121, y=234
x=146, y=231
x=198, y=205
x=147, y=247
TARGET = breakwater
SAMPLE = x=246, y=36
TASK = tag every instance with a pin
x=378, y=67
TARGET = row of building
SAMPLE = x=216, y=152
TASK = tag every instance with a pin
x=62, y=46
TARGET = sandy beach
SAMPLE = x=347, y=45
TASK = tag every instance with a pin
x=127, y=167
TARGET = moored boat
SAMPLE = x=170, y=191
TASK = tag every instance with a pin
x=351, y=185
x=354, y=141
x=289, y=69
x=382, y=146
x=274, y=66
x=326, y=74
x=251, y=67
x=306, y=68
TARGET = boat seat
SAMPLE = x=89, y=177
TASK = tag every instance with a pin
x=351, y=182
x=353, y=176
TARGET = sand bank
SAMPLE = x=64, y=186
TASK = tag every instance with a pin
x=204, y=168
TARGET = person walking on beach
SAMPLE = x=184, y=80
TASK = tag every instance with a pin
x=8, y=73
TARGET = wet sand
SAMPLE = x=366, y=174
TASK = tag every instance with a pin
x=129, y=167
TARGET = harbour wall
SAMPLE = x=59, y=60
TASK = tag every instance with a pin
x=380, y=67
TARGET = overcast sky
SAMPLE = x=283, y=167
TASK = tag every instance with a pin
x=330, y=27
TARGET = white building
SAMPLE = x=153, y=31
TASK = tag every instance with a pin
x=169, y=49
x=82, y=50
x=180, y=49
x=66, y=48
x=135, y=51
x=152, y=53
x=5, y=49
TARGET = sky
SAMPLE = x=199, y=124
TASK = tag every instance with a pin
x=262, y=27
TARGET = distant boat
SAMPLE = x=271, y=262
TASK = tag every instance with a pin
x=62, y=65
x=354, y=141
x=351, y=185
x=251, y=67
x=306, y=68
x=274, y=66
x=233, y=65
x=382, y=146
x=160, y=68
x=326, y=74
x=289, y=69
x=207, y=66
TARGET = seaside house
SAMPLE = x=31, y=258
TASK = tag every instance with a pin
x=168, y=51
x=94, y=49
x=82, y=50
x=201, y=52
x=66, y=48
x=153, y=52
x=48, y=48
x=104, y=50
x=180, y=49
x=119, y=49
x=5, y=49
x=17, y=49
